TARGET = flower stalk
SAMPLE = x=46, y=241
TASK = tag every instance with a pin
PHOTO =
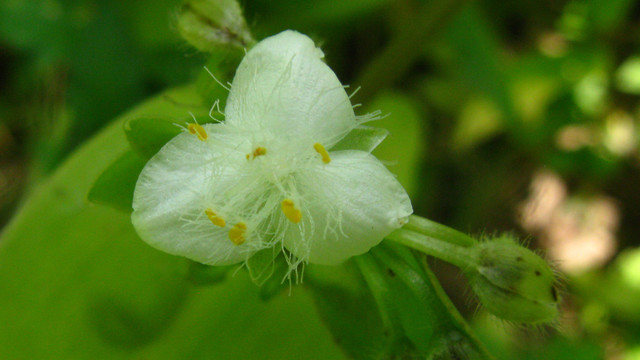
x=511, y=281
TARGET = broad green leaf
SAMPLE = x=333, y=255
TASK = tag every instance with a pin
x=363, y=138
x=402, y=150
x=77, y=283
x=116, y=184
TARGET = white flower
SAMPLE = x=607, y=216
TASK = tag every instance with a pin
x=267, y=176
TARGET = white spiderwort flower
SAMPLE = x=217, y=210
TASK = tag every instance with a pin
x=266, y=176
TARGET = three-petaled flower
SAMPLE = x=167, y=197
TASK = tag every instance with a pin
x=267, y=175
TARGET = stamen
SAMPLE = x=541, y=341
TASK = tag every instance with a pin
x=215, y=219
x=290, y=211
x=237, y=233
x=323, y=152
x=257, y=152
x=198, y=130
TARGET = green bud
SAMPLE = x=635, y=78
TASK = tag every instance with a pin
x=512, y=282
x=209, y=25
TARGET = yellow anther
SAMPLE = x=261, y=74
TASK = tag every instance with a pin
x=198, y=130
x=291, y=211
x=237, y=233
x=257, y=152
x=215, y=219
x=323, y=152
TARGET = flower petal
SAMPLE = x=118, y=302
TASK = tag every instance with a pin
x=175, y=188
x=348, y=206
x=283, y=87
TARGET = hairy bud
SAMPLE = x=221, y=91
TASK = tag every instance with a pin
x=211, y=24
x=513, y=282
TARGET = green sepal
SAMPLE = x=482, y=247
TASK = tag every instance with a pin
x=212, y=82
x=203, y=275
x=365, y=138
x=428, y=318
x=115, y=186
x=278, y=281
x=148, y=135
x=376, y=277
x=261, y=265
x=413, y=307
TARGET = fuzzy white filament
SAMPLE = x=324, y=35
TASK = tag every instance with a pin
x=266, y=176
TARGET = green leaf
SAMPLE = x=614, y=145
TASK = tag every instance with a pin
x=363, y=138
x=77, y=282
x=116, y=184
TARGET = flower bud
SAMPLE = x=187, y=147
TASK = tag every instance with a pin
x=512, y=282
x=211, y=24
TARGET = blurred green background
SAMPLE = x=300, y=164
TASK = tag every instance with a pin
x=504, y=116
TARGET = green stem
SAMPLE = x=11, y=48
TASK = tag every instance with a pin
x=436, y=240
x=403, y=50
x=439, y=231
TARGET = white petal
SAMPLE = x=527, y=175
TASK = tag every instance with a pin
x=175, y=188
x=349, y=205
x=283, y=87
